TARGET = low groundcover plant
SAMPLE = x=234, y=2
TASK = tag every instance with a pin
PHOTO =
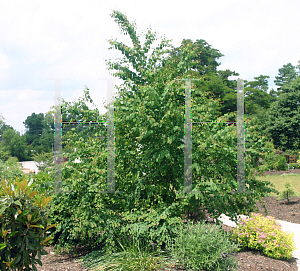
x=265, y=234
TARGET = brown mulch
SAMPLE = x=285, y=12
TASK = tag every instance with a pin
x=249, y=260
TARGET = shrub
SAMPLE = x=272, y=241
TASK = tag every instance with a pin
x=293, y=165
x=203, y=246
x=281, y=163
x=265, y=234
x=287, y=192
x=10, y=170
x=150, y=178
x=24, y=225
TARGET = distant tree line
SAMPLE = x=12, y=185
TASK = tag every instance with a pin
x=276, y=112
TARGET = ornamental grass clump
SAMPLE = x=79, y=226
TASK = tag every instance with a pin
x=135, y=255
x=265, y=234
x=203, y=246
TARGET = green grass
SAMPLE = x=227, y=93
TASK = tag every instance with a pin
x=280, y=180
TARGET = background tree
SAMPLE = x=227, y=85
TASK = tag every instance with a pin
x=286, y=75
x=257, y=97
x=39, y=134
x=3, y=125
x=15, y=143
x=4, y=150
x=34, y=128
x=284, y=118
x=204, y=62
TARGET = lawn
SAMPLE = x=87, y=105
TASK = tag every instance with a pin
x=280, y=180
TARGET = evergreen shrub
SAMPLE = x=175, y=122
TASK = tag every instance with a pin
x=24, y=225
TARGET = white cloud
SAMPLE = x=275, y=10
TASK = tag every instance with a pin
x=4, y=66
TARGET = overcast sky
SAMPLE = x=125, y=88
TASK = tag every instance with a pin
x=68, y=39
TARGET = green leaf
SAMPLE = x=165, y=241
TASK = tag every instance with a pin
x=26, y=256
x=2, y=246
x=2, y=210
x=21, y=220
x=27, y=241
x=19, y=241
x=13, y=233
x=31, y=247
x=16, y=260
x=17, y=202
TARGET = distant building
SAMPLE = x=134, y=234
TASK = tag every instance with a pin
x=29, y=166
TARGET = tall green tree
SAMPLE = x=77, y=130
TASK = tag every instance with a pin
x=260, y=82
x=286, y=75
x=39, y=132
x=204, y=62
x=4, y=150
x=284, y=117
x=257, y=96
x=15, y=143
x=34, y=128
x=149, y=153
x=3, y=125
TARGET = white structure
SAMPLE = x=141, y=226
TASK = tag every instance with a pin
x=29, y=166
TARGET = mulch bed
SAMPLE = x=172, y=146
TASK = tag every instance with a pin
x=248, y=260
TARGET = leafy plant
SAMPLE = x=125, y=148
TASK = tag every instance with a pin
x=265, y=234
x=10, y=170
x=293, y=165
x=283, y=122
x=281, y=163
x=149, y=156
x=44, y=160
x=24, y=225
x=203, y=246
x=130, y=257
x=4, y=153
x=287, y=193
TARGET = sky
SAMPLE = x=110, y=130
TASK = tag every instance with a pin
x=42, y=40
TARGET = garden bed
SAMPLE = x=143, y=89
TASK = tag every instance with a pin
x=248, y=260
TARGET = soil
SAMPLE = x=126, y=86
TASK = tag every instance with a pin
x=247, y=260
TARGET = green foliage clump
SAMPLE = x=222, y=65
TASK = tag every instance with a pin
x=4, y=153
x=281, y=163
x=44, y=160
x=293, y=165
x=265, y=234
x=11, y=169
x=150, y=115
x=288, y=192
x=132, y=256
x=283, y=117
x=24, y=226
x=203, y=246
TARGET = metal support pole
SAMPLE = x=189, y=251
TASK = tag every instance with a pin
x=240, y=127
